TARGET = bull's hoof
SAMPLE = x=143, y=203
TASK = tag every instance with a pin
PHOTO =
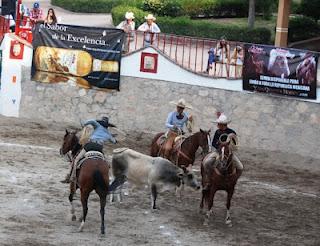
x=206, y=222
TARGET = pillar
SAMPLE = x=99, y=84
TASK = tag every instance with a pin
x=282, y=23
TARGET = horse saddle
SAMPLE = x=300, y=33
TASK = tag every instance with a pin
x=91, y=155
x=177, y=141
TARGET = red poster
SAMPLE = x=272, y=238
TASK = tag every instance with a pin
x=16, y=50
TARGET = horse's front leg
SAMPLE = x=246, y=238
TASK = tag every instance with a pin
x=72, y=192
x=228, y=216
x=210, y=206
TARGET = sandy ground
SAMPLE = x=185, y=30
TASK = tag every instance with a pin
x=276, y=201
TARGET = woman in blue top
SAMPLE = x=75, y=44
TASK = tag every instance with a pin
x=175, y=123
x=99, y=136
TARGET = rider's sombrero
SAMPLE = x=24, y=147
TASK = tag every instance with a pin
x=181, y=103
x=129, y=15
x=222, y=119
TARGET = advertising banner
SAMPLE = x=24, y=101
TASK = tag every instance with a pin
x=86, y=56
x=282, y=71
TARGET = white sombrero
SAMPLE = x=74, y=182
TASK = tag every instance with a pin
x=150, y=17
x=129, y=15
x=223, y=119
x=181, y=103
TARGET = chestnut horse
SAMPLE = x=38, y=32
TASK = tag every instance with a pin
x=93, y=175
x=184, y=155
x=222, y=175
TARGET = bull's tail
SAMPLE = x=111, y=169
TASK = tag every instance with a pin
x=118, y=181
x=99, y=180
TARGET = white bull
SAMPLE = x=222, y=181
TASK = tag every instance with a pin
x=142, y=169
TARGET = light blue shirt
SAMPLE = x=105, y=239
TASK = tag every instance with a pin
x=172, y=120
x=100, y=133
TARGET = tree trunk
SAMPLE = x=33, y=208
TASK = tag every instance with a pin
x=252, y=13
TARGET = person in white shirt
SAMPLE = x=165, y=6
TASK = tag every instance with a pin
x=128, y=26
x=150, y=28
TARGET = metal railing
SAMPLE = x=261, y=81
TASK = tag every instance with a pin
x=192, y=53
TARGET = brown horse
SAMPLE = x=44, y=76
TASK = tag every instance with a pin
x=221, y=175
x=183, y=155
x=93, y=175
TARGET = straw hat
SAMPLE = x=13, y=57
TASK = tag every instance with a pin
x=150, y=17
x=129, y=15
x=222, y=119
x=181, y=103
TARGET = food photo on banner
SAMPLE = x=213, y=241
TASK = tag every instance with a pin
x=282, y=71
x=86, y=56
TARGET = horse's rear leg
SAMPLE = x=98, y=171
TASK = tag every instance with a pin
x=84, y=202
x=228, y=216
x=103, y=200
x=72, y=192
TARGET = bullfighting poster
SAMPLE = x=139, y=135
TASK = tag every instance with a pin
x=283, y=71
x=86, y=56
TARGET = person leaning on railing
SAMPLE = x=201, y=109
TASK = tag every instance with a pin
x=128, y=26
x=150, y=28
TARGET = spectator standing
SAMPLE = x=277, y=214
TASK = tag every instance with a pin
x=223, y=56
x=237, y=61
x=211, y=59
x=36, y=13
x=128, y=26
x=150, y=28
x=51, y=18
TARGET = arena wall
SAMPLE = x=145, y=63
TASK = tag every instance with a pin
x=141, y=105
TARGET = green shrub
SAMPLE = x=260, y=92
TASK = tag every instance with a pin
x=229, y=8
x=216, y=8
x=163, y=7
x=310, y=8
x=295, y=7
x=266, y=7
x=119, y=12
x=298, y=30
x=197, y=28
x=93, y=6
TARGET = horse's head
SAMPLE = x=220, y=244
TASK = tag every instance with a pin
x=204, y=140
x=70, y=139
x=225, y=153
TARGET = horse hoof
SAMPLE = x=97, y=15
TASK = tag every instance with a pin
x=205, y=222
x=229, y=223
x=73, y=218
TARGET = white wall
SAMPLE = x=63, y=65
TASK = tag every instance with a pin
x=10, y=94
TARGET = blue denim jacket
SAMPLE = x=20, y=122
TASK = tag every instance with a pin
x=100, y=134
x=172, y=120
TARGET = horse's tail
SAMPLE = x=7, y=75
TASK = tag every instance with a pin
x=99, y=180
x=154, y=150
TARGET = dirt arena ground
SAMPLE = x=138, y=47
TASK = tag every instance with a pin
x=276, y=202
